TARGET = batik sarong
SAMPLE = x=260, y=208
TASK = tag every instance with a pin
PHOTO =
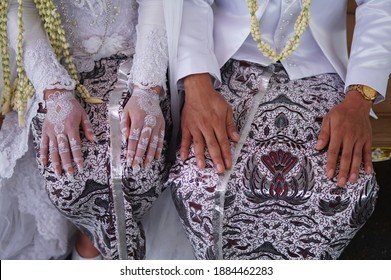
x=278, y=202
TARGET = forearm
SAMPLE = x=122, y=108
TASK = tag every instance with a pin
x=370, y=57
x=40, y=63
x=151, y=54
x=196, y=43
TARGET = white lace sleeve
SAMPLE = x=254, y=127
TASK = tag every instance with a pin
x=151, y=57
x=44, y=72
x=42, y=67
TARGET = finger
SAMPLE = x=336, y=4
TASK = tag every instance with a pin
x=75, y=144
x=87, y=128
x=142, y=146
x=65, y=154
x=125, y=124
x=324, y=134
x=332, y=154
x=346, y=159
x=356, y=162
x=230, y=126
x=54, y=156
x=160, y=144
x=185, y=144
x=44, y=149
x=152, y=147
x=367, y=157
x=132, y=144
x=223, y=142
x=199, y=149
x=150, y=124
x=214, y=151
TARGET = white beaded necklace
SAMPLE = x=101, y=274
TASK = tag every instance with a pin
x=71, y=23
x=291, y=45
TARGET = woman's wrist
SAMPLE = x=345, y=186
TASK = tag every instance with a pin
x=49, y=92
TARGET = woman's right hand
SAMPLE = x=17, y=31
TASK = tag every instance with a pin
x=60, y=132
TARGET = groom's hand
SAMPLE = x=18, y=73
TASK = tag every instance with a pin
x=347, y=131
x=207, y=119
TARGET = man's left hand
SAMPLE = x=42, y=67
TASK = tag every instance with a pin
x=347, y=129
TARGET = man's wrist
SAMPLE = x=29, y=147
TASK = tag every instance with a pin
x=366, y=92
x=196, y=80
x=355, y=99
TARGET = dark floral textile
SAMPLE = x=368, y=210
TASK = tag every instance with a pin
x=279, y=203
x=86, y=199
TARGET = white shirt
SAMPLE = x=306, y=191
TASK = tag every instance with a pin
x=276, y=29
x=213, y=31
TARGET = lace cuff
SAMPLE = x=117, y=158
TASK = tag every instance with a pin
x=150, y=60
x=44, y=70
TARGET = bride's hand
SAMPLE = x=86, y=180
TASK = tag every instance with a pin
x=143, y=125
x=60, y=132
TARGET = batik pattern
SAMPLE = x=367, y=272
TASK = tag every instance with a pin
x=279, y=203
x=87, y=198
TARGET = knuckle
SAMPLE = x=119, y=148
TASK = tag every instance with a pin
x=199, y=154
x=357, y=154
x=213, y=146
x=198, y=141
x=333, y=153
x=346, y=156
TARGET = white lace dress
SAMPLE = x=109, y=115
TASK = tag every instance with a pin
x=30, y=227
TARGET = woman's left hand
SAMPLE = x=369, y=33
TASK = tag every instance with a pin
x=143, y=124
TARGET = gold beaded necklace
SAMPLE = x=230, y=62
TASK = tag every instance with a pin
x=291, y=45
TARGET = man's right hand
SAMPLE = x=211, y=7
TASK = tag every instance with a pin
x=207, y=119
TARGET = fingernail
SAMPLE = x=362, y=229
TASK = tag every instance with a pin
x=236, y=135
x=129, y=162
x=136, y=169
x=220, y=168
x=80, y=167
x=138, y=161
x=183, y=157
x=70, y=177
x=57, y=173
x=319, y=145
x=227, y=163
x=199, y=163
x=330, y=173
x=368, y=170
x=353, y=178
x=342, y=182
